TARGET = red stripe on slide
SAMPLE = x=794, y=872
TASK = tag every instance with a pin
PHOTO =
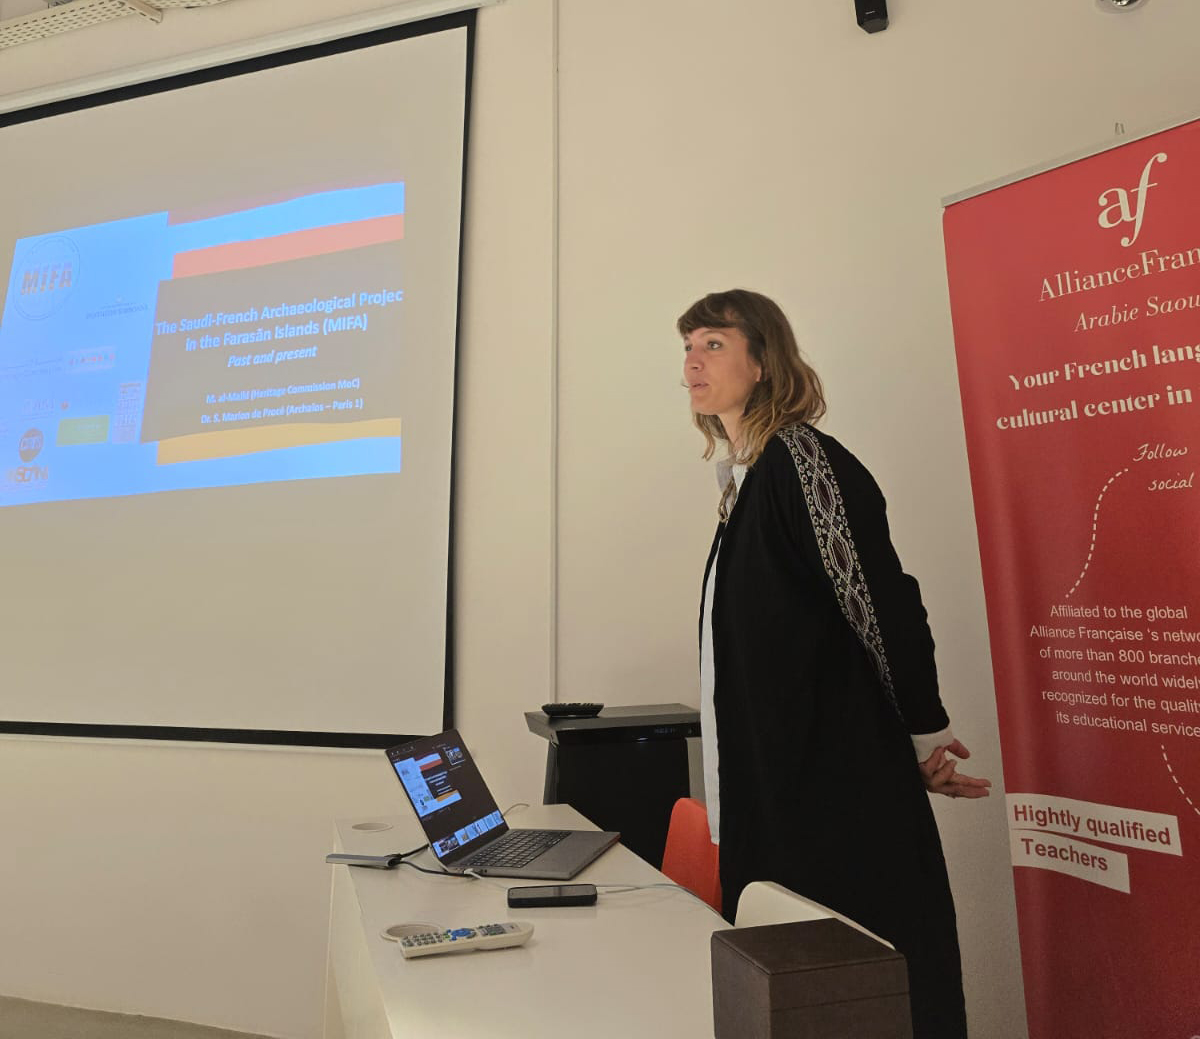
x=294, y=246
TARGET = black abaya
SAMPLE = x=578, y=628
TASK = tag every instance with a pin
x=823, y=665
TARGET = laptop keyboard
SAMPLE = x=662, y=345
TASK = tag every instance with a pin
x=515, y=848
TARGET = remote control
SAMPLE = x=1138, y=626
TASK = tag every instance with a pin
x=572, y=710
x=466, y=939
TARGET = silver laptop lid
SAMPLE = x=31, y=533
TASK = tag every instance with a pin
x=453, y=804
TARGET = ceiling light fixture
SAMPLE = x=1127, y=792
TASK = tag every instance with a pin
x=79, y=14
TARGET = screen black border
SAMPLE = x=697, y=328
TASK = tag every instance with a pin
x=286, y=737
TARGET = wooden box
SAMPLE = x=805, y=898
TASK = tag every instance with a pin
x=819, y=979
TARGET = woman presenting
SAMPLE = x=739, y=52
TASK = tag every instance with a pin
x=821, y=721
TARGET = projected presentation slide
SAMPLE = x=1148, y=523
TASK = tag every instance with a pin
x=204, y=349
x=228, y=355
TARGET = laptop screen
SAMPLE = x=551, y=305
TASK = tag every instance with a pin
x=451, y=800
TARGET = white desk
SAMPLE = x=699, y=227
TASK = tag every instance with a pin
x=635, y=964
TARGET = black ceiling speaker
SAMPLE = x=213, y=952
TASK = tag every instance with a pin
x=872, y=14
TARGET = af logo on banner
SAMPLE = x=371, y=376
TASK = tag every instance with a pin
x=1121, y=205
x=1076, y=303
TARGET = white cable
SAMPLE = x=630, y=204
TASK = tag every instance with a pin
x=616, y=888
x=487, y=880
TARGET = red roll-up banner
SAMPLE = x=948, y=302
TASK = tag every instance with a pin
x=1075, y=295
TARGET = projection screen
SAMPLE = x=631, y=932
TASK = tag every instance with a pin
x=227, y=369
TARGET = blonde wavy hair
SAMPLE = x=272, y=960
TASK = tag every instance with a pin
x=789, y=390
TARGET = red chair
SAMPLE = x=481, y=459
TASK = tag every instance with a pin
x=690, y=858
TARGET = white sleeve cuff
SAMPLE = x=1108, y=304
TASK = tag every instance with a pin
x=926, y=743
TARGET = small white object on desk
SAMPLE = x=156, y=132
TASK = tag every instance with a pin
x=466, y=939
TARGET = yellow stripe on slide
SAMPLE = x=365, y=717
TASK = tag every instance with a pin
x=225, y=443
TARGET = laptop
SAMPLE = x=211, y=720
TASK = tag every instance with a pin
x=465, y=828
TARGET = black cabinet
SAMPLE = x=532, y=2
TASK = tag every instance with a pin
x=624, y=769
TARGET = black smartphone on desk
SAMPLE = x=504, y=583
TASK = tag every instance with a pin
x=552, y=895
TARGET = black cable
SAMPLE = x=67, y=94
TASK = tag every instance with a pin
x=398, y=857
x=434, y=872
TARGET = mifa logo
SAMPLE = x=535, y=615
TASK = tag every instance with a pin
x=45, y=277
x=1121, y=206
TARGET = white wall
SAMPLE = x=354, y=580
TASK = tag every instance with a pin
x=691, y=145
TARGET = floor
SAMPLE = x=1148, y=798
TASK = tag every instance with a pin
x=21, y=1019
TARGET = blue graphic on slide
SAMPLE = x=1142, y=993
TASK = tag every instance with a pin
x=144, y=355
